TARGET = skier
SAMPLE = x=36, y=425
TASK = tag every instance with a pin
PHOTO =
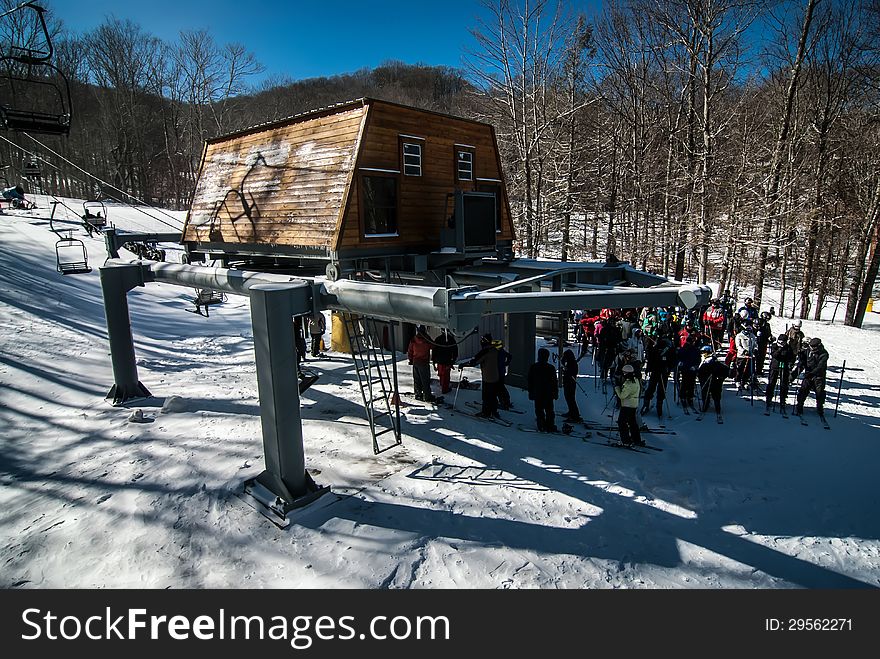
x=688, y=363
x=714, y=323
x=299, y=339
x=609, y=344
x=746, y=314
x=763, y=335
x=795, y=335
x=419, y=354
x=712, y=373
x=588, y=325
x=727, y=302
x=781, y=364
x=689, y=331
x=659, y=359
x=628, y=394
x=569, y=386
x=487, y=358
x=317, y=327
x=628, y=356
x=543, y=390
x=746, y=347
x=627, y=324
x=815, y=367
x=504, y=359
x=444, y=355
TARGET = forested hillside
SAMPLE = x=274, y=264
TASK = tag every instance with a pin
x=721, y=140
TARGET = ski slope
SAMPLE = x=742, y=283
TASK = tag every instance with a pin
x=89, y=499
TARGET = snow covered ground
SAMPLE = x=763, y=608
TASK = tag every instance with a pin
x=89, y=499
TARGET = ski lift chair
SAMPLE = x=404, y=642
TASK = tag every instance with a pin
x=204, y=299
x=32, y=101
x=94, y=216
x=71, y=256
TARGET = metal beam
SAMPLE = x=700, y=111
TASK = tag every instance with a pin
x=458, y=309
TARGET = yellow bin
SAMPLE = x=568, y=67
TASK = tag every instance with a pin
x=870, y=306
x=338, y=334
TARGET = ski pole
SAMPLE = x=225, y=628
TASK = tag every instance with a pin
x=839, y=385
x=675, y=396
x=457, y=388
x=752, y=381
x=663, y=385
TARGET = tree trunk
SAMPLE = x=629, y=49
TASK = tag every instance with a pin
x=772, y=194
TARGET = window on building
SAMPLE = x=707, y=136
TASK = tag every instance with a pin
x=412, y=158
x=379, y=205
x=464, y=163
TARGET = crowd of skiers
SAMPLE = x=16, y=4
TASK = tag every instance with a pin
x=638, y=351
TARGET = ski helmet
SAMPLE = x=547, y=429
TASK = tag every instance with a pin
x=706, y=350
x=816, y=342
x=628, y=369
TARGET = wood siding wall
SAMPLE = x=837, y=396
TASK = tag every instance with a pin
x=298, y=185
x=424, y=202
x=283, y=186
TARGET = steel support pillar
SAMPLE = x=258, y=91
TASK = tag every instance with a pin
x=116, y=282
x=521, y=344
x=285, y=484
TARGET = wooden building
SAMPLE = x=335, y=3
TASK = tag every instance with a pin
x=362, y=185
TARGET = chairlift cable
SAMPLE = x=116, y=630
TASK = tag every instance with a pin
x=122, y=201
x=112, y=187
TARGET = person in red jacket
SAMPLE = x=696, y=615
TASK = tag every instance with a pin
x=419, y=354
x=588, y=325
x=714, y=323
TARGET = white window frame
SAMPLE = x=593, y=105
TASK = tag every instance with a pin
x=404, y=155
x=459, y=152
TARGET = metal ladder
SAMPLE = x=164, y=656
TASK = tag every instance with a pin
x=377, y=382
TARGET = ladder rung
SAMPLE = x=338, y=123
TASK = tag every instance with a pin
x=382, y=432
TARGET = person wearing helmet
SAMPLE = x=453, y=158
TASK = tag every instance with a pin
x=659, y=359
x=746, y=349
x=688, y=363
x=747, y=314
x=795, y=335
x=815, y=368
x=763, y=336
x=714, y=323
x=782, y=359
x=712, y=373
x=628, y=394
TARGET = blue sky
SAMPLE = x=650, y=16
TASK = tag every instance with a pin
x=298, y=38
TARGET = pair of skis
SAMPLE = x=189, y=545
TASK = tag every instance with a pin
x=651, y=431
x=821, y=419
x=772, y=408
x=614, y=441
x=718, y=418
x=529, y=429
